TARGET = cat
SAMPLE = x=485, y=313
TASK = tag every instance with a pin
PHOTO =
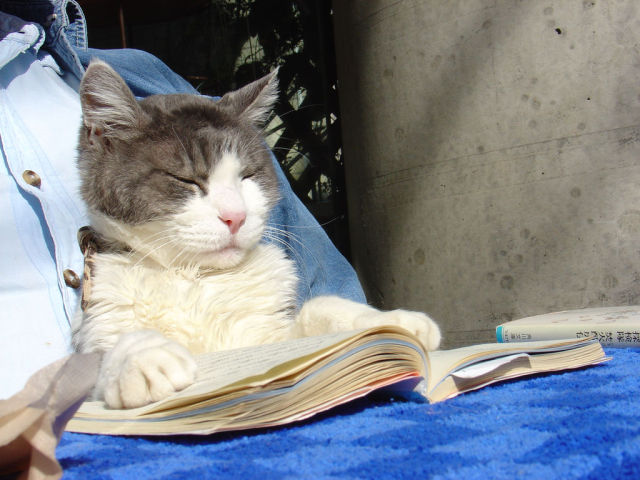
x=180, y=188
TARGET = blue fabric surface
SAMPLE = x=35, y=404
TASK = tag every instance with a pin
x=580, y=424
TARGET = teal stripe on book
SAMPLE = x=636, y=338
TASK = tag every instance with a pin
x=499, y=334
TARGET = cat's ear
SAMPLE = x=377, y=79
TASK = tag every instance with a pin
x=108, y=105
x=254, y=101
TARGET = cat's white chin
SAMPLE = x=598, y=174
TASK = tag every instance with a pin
x=223, y=258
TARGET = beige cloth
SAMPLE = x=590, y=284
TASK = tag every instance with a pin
x=32, y=421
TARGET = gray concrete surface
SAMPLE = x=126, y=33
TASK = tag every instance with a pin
x=492, y=155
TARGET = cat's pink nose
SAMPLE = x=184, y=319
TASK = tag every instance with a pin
x=233, y=219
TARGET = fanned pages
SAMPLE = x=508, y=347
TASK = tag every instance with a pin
x=290, y=381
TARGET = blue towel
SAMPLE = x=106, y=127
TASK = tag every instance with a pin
x=581, y=424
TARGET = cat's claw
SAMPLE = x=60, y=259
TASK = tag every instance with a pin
x=142, y=368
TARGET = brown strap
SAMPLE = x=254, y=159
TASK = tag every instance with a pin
x=89, y=242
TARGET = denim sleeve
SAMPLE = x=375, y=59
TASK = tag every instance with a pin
x=144, y=73
x=321, y=267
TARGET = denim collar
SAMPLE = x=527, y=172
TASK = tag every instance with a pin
x=64, y=27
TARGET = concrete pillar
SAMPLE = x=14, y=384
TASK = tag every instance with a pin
x=492, y=153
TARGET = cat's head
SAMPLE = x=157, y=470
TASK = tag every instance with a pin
x=181, y=178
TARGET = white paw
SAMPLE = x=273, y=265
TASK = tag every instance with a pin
x=144, y=367
x=417, y=323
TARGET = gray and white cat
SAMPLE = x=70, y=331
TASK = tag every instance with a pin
x=181, y=188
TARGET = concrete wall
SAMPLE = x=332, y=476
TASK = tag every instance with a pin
x=492, y=155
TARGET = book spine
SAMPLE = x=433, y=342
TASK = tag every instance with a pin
x=609, y=335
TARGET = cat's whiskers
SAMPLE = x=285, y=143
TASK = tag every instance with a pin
x=166, y=240
x=258, y=138
x=304, y=227
x=186, y=256
x=280, y=241
x=161, y=234
x=286, y=234
x=304, y=107
x=180, y=141
x=283, y=242
x=276, y=238
x=283, y=237
x=297, y=239
x=292, y=149
x=190, y=260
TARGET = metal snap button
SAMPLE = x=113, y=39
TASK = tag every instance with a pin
x=32, y=178
x=71, y=278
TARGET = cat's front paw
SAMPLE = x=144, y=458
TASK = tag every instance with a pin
x=417, y=323
x=144, y=367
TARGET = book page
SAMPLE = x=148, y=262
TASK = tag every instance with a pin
x=219, y=369
x=543, y=360
x=444, y=362
x=284, y=381
x=483, y=368
x=250, y=365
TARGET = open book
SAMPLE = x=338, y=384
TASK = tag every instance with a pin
x=285, y=382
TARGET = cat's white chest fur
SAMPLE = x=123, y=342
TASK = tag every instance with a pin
x=204, y=310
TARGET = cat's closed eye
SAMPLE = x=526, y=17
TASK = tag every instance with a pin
x=191, y=183
x=249, y=172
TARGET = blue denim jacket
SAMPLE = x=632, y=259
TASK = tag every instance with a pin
x=43, y=52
